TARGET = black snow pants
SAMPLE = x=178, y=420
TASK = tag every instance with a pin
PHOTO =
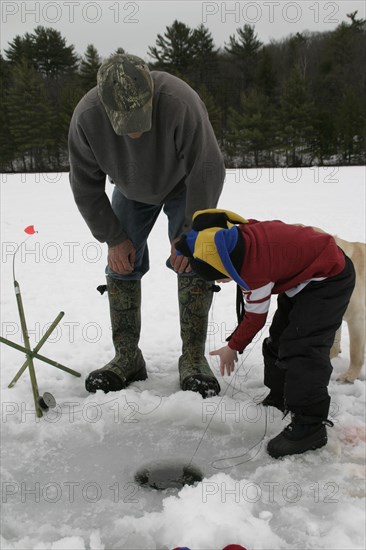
x=297, y=367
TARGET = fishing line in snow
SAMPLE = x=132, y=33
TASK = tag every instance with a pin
x=231, y=384
x=259, y=445
x=130, y=404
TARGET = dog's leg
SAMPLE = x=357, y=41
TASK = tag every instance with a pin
x=336, y=348
x=356, y=328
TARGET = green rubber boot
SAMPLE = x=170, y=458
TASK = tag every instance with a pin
x=195, y=297
x=128, y=364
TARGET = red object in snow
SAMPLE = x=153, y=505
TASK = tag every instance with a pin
x=30, y=230
x=230, y=547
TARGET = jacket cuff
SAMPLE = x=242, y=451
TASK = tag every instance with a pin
x=117, y=240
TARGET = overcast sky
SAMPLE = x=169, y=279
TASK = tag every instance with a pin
x=134, y=25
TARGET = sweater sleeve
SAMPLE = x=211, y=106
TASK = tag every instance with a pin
x=257, y=304
x=87, y=182
x=204, y=165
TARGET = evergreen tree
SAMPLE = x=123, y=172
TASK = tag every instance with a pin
x=297, y=47
x=46, y=51
x=357, y=24
x=251, y=129
x=295, y=123
x=245, y=50
x=52, y=56
x=88, y=68
x=213, y=109
x=343, y=61
x=324, y=141
x=247, y=46
x=351, y=126
x=7, y=146
x=50, y=65
x=266, y=78
x=32, y=131
x=69, y=98
x=21, y=49
x=173, y=51
x=203, y=69
x=204, y=53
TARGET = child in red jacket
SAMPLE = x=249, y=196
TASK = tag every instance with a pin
x=314, y=281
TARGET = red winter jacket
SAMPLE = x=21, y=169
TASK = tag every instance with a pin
x=280, y=258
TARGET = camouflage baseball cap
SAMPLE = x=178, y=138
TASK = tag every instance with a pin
x=125, y=88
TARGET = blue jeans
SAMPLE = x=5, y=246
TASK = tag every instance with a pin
x=138, y=219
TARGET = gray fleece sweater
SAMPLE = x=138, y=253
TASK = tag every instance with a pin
x=180, y=149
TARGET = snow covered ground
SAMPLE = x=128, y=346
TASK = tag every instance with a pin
x=67, y=479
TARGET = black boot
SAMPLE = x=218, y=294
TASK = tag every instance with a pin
x=304, y=433
x=128, y=364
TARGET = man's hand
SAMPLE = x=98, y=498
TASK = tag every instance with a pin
x=180, y=264
x=121, y=258
x=228, y=357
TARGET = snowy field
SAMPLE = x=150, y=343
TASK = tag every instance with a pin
x=67, y=479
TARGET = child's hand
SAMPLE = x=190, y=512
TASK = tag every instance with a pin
x=228, y=357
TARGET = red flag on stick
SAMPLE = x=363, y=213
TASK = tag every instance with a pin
x=30, y=230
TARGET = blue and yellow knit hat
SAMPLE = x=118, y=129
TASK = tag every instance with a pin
x=214, y=246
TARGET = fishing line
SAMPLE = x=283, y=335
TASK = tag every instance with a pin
x=16, y=251
x=116, y=399
x=216, y=408
x=219, y=403
x=246, y=452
